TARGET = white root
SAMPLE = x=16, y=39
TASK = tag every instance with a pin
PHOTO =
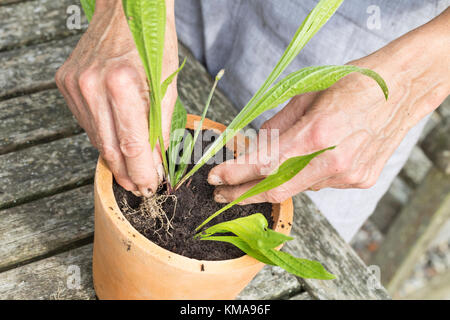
x=151, y=209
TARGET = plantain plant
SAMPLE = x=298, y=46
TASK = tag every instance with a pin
x=146, y=19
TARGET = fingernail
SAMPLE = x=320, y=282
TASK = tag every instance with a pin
x=160, y=171
x=219, y=198
x=215, y=180
x=146, y=192
x=137, y=193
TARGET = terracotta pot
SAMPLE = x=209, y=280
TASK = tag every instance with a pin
x=126, y=265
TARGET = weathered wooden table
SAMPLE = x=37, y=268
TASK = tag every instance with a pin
x=47, y=167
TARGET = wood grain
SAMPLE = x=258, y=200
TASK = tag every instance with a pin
x=414, y=229
x=316, y=239
x=29, y=22
x=44, y=226
x=46, y=169
x=33, y=119
x=48, y=279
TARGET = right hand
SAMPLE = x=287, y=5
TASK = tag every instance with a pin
x=105, y=86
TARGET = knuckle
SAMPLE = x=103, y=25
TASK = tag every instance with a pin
x=109, y=153
x=142, y=179
x=87, y=81
x=69, y=81
x=59, y=76
x=367, y=184
x=320, y=136
x=353, y=178
x=339, y=163
x=120, y=77
x=277, y=196
x=131, y=147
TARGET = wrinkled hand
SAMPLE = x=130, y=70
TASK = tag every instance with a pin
x=352, y=115
x=105, y=87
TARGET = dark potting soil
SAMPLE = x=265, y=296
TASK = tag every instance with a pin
x=194, y=204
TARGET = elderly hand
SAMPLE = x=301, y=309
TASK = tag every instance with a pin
x=352, y=115
x=105, y=87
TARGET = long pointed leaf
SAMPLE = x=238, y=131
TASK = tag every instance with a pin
x=252, y=229
x=169, y=80
x=185, y=158
x=303, y=268
x=205, y=110
x=241, y=244
x=147, y=22
x=88, y=8
x=316, y=19
x=178, y=125
x=285, y=172
x=254, y=238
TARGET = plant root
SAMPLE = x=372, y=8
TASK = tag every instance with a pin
x=151, y=209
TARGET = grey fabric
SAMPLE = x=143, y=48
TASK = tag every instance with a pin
x=247, y=37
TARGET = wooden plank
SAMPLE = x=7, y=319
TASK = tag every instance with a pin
x=437, y=146
x=438, y=288
x=390, y=204
x=54, y=278
x=46, y=169
x=316, y=239
x=43, y=116
x=33, y=119
x=36, y=21
x=8, y=2
x=271, y=283
x=417, y=167
x=414, y=229
x=33, y=68
x=302, y=296
x=47, y=279
x=45, y=226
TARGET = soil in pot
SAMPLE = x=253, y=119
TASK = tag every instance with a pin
x=186, y=209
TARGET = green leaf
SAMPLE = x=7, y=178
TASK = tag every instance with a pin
x=88, y=8
x=241, y=244
x=169, y=80
x=205, y=110
x=147, y=22
x=303, y=268
x=177, y=129
x=252, y=229
x=316, y=19
x=305, y=80
x=185, y=158
x=285, y=172
x=254, y=238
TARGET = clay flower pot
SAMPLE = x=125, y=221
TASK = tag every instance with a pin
x=126, y=265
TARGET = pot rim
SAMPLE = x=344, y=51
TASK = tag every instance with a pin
x=104, y=190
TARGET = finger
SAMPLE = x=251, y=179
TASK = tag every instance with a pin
x=291, y=113
x=68, y=86
x=268, y=156
x=226, y=194
x=101, y=118
x=157, y=161
x=130, y=118
x=315, y=173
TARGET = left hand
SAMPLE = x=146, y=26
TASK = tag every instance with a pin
x=352, y=115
